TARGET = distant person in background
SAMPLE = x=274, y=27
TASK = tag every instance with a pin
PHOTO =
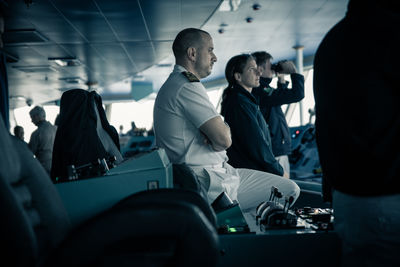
x=271, y=100
x=42, y=139
x=19, y=132
x=134, y=131
x=251, y=141
x=357, y=130
x=121, y=130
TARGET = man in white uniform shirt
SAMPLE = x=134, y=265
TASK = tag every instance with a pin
x=190, y=129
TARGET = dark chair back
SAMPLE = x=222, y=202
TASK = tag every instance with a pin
x=150, y=228
x=179, y=196
x=34, y=220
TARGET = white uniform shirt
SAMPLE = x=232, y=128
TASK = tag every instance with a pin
x=181, y=107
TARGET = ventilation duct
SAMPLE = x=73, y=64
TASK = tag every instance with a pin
x=23, y=36
x=34, y=69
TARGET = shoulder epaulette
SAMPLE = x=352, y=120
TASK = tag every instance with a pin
x=190, y=76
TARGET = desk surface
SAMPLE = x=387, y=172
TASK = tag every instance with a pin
x=282, y=248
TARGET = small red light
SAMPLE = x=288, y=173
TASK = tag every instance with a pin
x=297, y=132
x=249, y=19
x=256, y=7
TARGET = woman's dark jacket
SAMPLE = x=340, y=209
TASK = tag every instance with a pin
x=251, y=142
x=270, y=101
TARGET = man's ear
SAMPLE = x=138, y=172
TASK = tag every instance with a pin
x=191, y=53
x=237, y=76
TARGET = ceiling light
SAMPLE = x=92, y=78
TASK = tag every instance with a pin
x=138, y=78
x=249, y=19
x=229, y=5
x=65, y=62
x=61, y=63
x=164, y=65
x=34, y=69
x=71, y=80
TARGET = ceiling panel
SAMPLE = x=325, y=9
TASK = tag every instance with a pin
x=45, y=18
x=174, y=15
x=86, y=19
x=158, y=13
x=115, y=55
x=163, y=49
x=141, y=52
x=125, y=19
x=121, y=39
x=113, y=40
x=276, y=27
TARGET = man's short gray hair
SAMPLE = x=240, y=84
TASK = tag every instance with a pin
x=187, y=38
x=39, y=111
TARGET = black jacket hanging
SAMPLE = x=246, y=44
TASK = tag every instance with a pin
x=77, y=139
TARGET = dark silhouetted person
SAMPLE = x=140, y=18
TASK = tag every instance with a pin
x=132, y=131
x=57, y=120
x=356, y=89
x=121, y=130
x=19, y=132
x=135, y=131
x=42, y=139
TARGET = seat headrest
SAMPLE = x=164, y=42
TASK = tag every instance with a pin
x=36, y=218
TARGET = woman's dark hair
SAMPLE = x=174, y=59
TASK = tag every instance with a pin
x=235, y=65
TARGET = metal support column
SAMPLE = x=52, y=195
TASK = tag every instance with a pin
x=108, y=110
x=299, y=67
